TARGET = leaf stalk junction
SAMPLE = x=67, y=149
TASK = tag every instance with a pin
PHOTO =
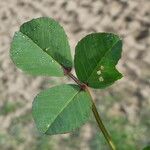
x=83, y=86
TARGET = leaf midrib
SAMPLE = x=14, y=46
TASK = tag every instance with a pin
x=41, y=48
x=69, y=101
x=101, y=59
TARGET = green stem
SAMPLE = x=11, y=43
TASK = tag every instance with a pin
x=102, y=127
x=95, y=112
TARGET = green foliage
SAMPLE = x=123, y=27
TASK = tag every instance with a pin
x=43, y=143
x=41, y=48
x=9, y=107
x=59, y=109
x=147, y=148
x=95, y=58
x=125, y=135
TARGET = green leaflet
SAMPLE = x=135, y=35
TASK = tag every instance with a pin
x=96, y=56
x=41, y=47
x=61, y=109
x=31, y=58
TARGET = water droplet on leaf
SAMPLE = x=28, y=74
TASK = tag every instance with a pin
x=47, y=126
x=46, y=49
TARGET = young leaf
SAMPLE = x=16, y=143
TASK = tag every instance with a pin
x=96, y=56
x=41, y=47
x=61, y=109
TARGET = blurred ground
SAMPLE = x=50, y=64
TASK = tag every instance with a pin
x=124, y=106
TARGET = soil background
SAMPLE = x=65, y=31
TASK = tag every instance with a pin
x=124, y=107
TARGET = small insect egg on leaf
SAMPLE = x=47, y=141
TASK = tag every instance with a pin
x=99, y=72
x=101, y=79
x=102, y=67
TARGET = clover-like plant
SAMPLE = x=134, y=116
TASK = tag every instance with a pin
x=41, y=47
